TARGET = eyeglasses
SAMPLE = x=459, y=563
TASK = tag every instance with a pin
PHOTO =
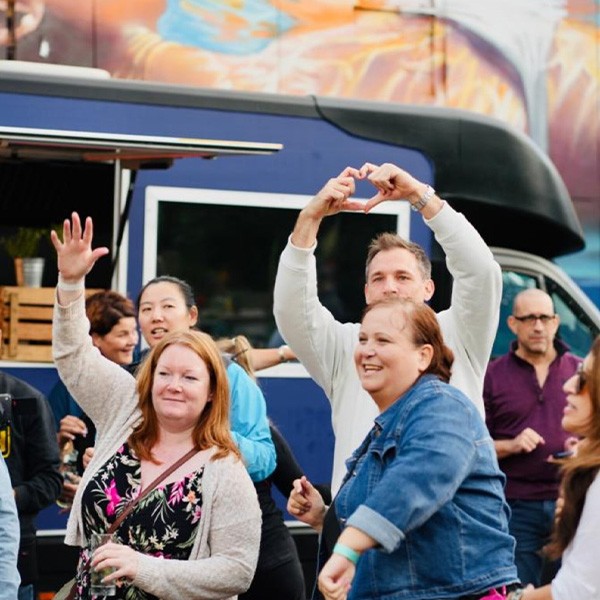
x=531, y=319
x=581, y=381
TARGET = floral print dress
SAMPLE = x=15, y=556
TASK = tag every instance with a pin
x=163, y=524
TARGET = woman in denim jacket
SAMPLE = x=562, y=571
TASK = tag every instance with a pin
x=422, y=504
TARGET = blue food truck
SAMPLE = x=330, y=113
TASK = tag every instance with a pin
x=206, y=185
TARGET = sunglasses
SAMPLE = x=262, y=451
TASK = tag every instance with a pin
x=581, y=379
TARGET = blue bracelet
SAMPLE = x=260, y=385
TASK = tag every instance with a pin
x=351, y=555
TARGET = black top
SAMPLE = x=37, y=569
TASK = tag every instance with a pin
x=33, y=462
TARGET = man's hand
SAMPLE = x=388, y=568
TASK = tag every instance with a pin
x=330, y=200
x=334, y=196
x=527, y=441
x=306, y=504
x=393, y=183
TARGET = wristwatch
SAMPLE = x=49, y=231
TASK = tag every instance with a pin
x=425, y=198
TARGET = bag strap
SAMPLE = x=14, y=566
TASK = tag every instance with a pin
x=127, y=510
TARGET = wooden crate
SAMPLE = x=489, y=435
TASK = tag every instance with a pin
x=26, y=323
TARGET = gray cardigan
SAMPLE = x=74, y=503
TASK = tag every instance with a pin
x=224, y=555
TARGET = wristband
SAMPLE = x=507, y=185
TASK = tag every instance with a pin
x=281, y=353
x=346, y=552
x=425, y=198
x=79, y=286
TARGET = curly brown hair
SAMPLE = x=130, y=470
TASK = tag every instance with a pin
x=105, y=309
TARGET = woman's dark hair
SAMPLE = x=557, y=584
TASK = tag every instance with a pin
x=425, y=329
x=105, y=309
x=184, y=287
x=579, y=471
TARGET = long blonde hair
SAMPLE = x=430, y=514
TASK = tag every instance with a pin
x=238, y=349
x=213, y=427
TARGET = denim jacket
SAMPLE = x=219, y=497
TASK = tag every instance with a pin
x=425, y=484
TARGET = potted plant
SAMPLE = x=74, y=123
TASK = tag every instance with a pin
x=23, y=248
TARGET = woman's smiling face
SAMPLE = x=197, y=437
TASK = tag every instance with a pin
x=181, y=388
x=387, y=361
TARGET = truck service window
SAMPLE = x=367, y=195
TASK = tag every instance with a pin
x=227, y=246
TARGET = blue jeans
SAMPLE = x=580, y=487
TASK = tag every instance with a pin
x=26, y=592
x=530, y=523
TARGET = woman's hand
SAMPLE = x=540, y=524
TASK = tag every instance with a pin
x=306, y=504
x=70, y=427
x=120, y=557
x=74, y=254
x=335, y=577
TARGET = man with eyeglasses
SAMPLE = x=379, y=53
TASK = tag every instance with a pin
x=524, y=402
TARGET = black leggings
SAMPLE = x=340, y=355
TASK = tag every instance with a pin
x=284, y=582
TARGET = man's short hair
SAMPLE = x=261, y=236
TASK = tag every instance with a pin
x=390, y=241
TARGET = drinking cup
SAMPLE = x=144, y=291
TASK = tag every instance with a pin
x=96, y=576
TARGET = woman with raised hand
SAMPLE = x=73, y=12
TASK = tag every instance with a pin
x=196, y=532
x=422, y=504
x=113, y=329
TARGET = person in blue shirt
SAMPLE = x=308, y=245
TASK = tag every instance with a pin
x=9, y=536
x=422, y=504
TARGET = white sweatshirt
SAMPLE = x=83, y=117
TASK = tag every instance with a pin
x=325, y=346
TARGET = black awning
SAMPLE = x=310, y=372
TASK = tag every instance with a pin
x=505, y=185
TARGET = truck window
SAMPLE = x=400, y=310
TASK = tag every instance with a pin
x=576, y=328
x=228, y=249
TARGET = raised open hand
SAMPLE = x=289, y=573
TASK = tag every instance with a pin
x=75, y=256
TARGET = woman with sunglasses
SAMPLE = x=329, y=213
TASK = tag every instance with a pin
x=577, y=529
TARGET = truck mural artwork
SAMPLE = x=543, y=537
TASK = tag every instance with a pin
x=206, y=185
